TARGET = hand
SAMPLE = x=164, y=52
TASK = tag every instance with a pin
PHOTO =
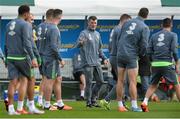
x=62, y=63
x=177, y=68
x=34, y=63
x=39, y=61
x=106, y=62
x=82, y=40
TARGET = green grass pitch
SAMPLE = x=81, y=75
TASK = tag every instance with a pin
x=157, y=110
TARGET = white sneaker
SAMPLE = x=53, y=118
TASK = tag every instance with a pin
x=13, y=113
x=36, y=111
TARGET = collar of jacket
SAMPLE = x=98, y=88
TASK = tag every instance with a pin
x=89, y=29
x=140, y=18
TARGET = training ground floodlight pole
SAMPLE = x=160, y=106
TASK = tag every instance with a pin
x=43, y=19
x=85, y=21
x=172, y=18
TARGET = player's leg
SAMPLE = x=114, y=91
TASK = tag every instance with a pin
x=106, y=101
x=120, y=84
x=145, y=83
x=13, y=74
x=156, y=75
x=30, y=95
x=21, y=95
x=24, y=67
x=98, y=77
x=171, y=77
x=132, y=69
x=41, y=85
x=41, y=91
x=48, y=92
x=114, y=72
x=51, y=74
x=88, y=71
x=82, y=85
x=58, y=92
x=177, y=89
x=11, y=91
x=120, y=89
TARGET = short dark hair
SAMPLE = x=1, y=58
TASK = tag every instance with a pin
x=49, y=13
x=92, y=18
x=23, y=9
x=166, y=22
x=57, y=12
x=124, y=16
x=143, y=12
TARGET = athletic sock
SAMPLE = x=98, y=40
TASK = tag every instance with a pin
x=82, y=93
x=40, y=100
x=145, y=101
x=60, y=103
x=11, y=108
x=31, y=105
x=134, y=103
x=20, y=105
x=120, y=104
x=47, y=104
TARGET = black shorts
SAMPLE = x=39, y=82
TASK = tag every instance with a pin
x=77, y=75
x=167, y=72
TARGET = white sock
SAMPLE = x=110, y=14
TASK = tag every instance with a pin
x=20, y=105
x=11, y=108
x=47, y=104
x=145, y=101
x=120, y=104
x=134, y=103
x=31, y=105
x=40, y=99
x=60, y=103
x=82, y=93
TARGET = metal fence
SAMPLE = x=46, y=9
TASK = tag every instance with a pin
x=66, y=71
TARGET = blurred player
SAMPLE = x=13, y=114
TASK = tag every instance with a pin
x=163, y=50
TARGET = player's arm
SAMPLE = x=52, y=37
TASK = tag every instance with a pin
x=55, y=43
x=36, y=52
x=80, y=41
x=174, y=49
x=34, y=47
x=144, y=41
x=26, y=37
x=101, y=54
x=5, y=50
x=150, y=48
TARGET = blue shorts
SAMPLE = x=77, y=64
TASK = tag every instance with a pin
x=127, y=63
x=52, y=69
x=19, y=68
x=167, y=72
